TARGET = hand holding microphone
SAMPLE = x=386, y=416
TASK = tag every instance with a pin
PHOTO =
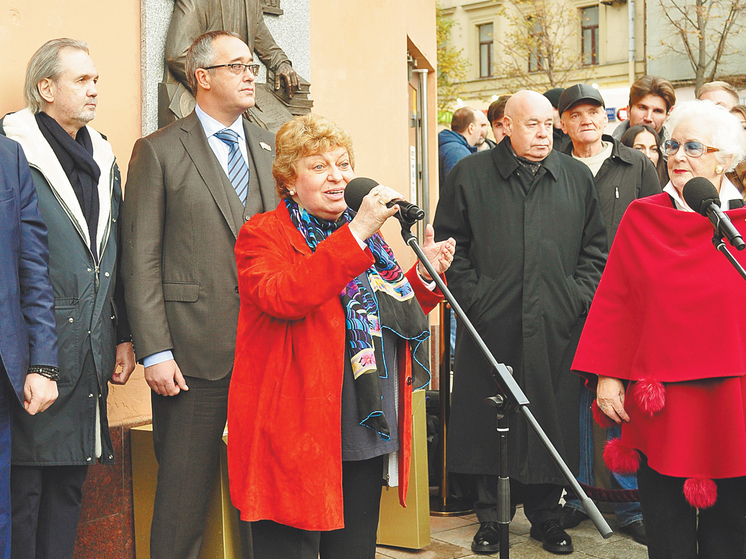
x=374, y=204
x=374, y=208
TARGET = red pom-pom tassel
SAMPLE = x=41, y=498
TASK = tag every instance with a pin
x=601, y=418
x=700, y=492
x=621, y=459
x=650, y=395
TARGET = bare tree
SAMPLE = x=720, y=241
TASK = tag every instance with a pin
x=702, y=29
x=539, y=45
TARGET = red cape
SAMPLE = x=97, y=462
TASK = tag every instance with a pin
x=669, y=306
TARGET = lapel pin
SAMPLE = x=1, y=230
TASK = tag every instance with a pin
x=265, y=146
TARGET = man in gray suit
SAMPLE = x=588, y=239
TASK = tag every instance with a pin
x=190, y=187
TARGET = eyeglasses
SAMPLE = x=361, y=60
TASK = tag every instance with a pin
x=692, y=149
x=237, y=68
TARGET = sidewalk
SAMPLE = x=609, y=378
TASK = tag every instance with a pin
x=451, y=539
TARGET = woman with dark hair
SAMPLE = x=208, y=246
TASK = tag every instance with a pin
x=332, y=339
x=645, y=139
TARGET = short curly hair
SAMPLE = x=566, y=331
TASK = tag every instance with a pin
x=302, y=137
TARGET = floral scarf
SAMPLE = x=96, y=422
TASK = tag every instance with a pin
x=389, y=303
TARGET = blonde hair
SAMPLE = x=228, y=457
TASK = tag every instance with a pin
x=302, y=137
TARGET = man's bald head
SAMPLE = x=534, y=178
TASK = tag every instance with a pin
x=528, y=123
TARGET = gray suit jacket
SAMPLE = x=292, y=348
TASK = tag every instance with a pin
x=181, y=217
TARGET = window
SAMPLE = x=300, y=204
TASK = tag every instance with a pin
x=485, y=50
x=535, y=38
x=589, y=33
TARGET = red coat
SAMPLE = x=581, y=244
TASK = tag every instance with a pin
x=285, y=400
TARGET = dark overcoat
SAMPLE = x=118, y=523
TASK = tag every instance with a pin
x=529, y=255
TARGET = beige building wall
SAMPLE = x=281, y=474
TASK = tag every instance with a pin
x=359, y=79
x=112, y=30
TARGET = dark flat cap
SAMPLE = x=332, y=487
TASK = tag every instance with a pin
x=577, y=93
x=553, y=95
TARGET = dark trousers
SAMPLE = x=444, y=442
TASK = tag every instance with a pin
x=540, y=501
x=361, y=486
x=676, y=530
x=46, y=509
x=6, y=393
x=187, y=433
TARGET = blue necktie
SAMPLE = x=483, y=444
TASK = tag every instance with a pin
x=238, y=170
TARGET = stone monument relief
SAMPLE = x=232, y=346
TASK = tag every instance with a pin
x=284, y=92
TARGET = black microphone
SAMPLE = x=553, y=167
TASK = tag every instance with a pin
x=702, y=196
x=359, y=187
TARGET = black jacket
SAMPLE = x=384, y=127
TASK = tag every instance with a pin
x=625, y=176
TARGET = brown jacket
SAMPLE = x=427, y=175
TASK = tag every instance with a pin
x=180, y=221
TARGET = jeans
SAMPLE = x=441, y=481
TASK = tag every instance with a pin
x=626, y=513
x=453, y=334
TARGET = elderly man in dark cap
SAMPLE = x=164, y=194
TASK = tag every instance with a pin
x=622, y=174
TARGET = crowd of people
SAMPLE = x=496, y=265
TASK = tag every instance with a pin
x=256, y=297
x=534, y=221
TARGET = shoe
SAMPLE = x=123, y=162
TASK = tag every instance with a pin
x=637, y=531
x=570, y=517
x=487, y=539
x=554, y=538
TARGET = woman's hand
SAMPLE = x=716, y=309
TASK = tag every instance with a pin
x=440, y=255
x=610, y=398
x=373, y=211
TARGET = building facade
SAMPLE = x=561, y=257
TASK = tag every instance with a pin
x=609, y=43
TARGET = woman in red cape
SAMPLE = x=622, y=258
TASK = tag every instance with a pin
x=664, y=348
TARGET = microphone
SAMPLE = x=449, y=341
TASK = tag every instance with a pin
x=357, y=189
x=702, y=196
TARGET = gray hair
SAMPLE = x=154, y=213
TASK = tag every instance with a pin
x=45, y=64
x=201, y=54
x=714, y=122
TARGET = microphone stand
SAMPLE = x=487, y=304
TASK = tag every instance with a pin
x=510, y=399
x=717, y=240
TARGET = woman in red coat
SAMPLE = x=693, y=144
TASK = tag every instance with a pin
x=331, y=341
x=663, y=346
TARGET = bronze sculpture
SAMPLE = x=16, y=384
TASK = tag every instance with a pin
x=190, y=19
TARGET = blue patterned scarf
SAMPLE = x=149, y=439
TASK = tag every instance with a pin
x=389, y=303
